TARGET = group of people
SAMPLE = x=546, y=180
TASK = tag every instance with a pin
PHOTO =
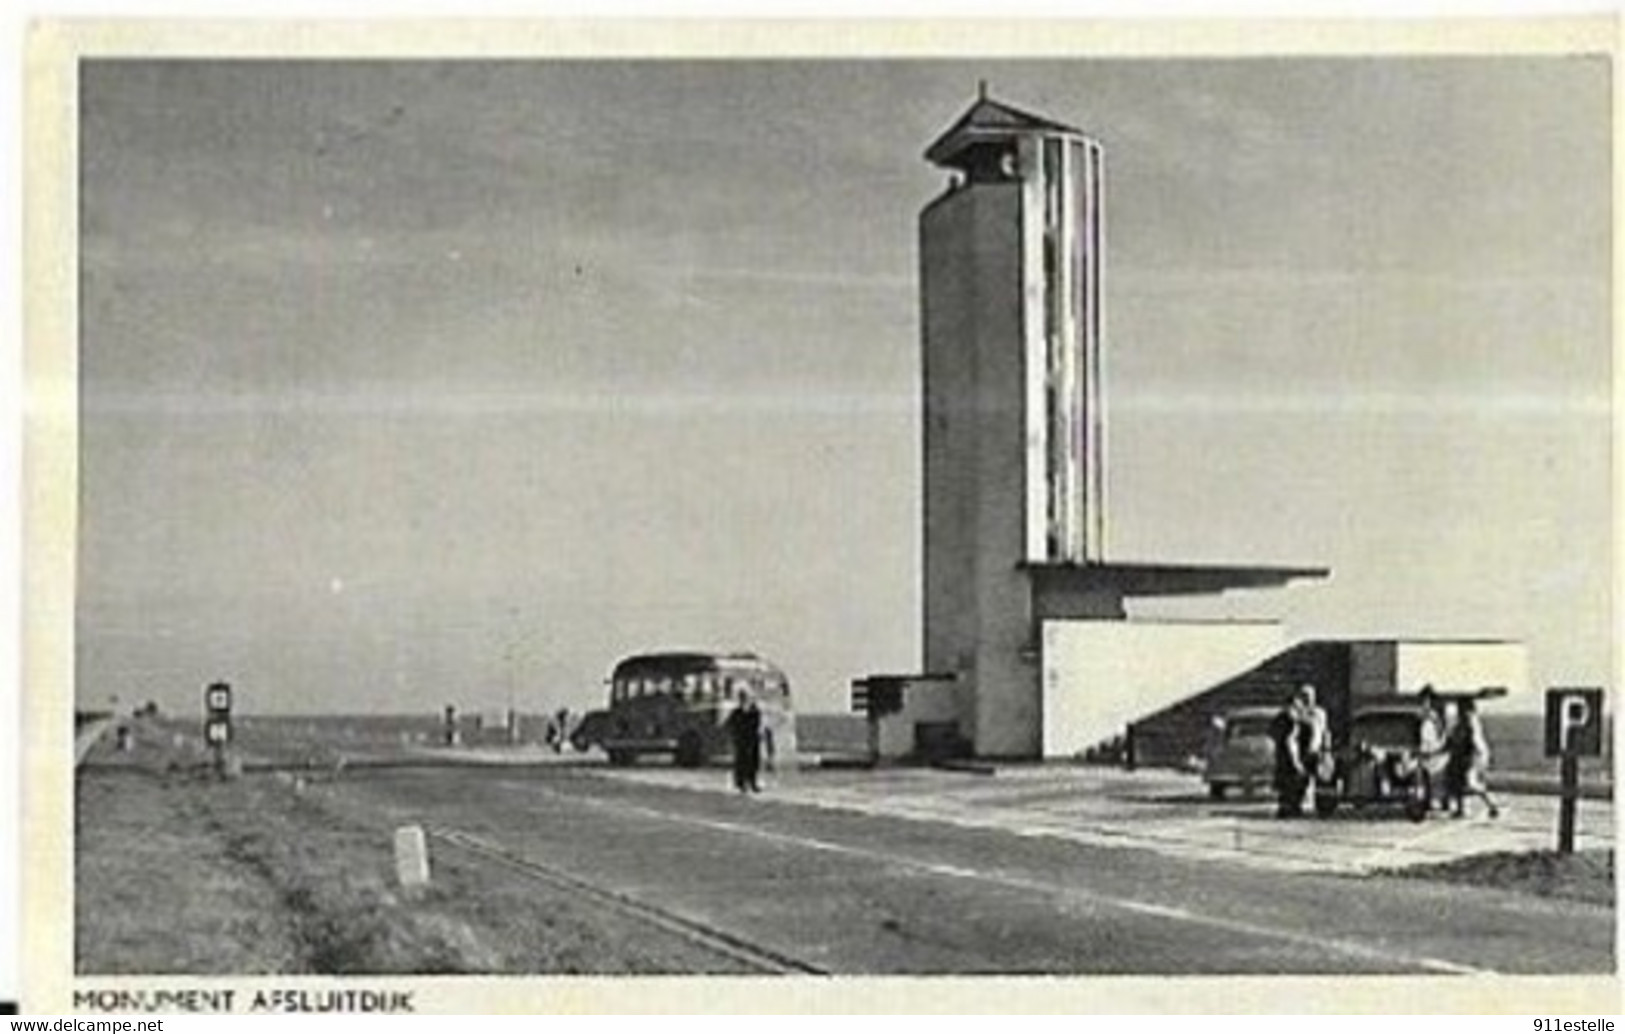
x=1467, y=750
x=1304, y=752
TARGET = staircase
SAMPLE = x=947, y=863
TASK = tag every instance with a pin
x=1175, y=734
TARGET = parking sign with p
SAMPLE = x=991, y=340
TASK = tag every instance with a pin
x=1573, y=722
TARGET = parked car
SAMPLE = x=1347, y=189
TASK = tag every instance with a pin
x=1394, y=754
x=1240, y=752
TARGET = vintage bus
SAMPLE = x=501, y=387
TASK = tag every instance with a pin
x=676, y=703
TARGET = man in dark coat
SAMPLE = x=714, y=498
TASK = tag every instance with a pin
x=745, y=730
x=1291, y=777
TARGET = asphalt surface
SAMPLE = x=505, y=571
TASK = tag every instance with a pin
x=867, y=891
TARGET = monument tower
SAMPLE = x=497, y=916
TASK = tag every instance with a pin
x=1012, y=258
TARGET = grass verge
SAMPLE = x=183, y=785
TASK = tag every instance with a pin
x=179, y=872
x=1583, y=876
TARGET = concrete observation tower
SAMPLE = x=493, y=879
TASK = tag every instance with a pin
x=1021, y=603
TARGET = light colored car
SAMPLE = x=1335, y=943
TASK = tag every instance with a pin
x=1240, y=751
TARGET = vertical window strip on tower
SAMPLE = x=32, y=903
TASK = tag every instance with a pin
x=1097, y=351
x=1055, y=350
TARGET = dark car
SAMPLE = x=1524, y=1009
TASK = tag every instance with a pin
x=1394, y=755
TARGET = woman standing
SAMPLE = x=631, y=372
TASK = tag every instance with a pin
x=1469, y=761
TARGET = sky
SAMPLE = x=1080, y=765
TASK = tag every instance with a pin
x=411, y=383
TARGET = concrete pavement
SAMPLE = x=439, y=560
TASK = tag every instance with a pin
x=857, y=890
x=1164, y=812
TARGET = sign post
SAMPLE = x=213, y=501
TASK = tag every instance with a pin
x=217, y=723
x=1573, y=731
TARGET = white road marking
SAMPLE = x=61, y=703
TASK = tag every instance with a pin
x=1328, y=944
x=1099, y=814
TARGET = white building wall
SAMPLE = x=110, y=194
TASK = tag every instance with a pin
x=1463, y=666
x=1100, y=675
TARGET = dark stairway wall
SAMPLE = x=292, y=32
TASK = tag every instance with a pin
x=1179, y=732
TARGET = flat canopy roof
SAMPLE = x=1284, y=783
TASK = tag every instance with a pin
x=1148, y=579
x=890, y=679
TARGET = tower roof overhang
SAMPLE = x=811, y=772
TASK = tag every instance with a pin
x=990, y=122
x=1151, y=579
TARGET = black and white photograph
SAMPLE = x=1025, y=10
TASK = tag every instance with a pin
x=848, y=515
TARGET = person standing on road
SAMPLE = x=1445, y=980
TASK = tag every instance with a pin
x=1434, y=740
x=1469, y=761
x=1315, y=746
x=745, y=730
x=562, y=720
x=1432, y=713
x=1290, y=774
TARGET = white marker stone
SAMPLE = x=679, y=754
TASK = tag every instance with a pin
x=411, y=857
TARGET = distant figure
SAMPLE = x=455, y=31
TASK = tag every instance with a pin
x=563, y=720
x=745, y=730
x=1469, y=761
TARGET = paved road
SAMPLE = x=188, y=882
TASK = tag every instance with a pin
x=864, y=891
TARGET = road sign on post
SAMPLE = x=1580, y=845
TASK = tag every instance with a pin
x=1573, y=731
x=217, y=698
x=1573, y=722
x=217, y=723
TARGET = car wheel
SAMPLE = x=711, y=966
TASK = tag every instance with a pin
x=1326, y=801
x=621, y=758
x=1419, y=800
x=1217, y=791
x=580, y=742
